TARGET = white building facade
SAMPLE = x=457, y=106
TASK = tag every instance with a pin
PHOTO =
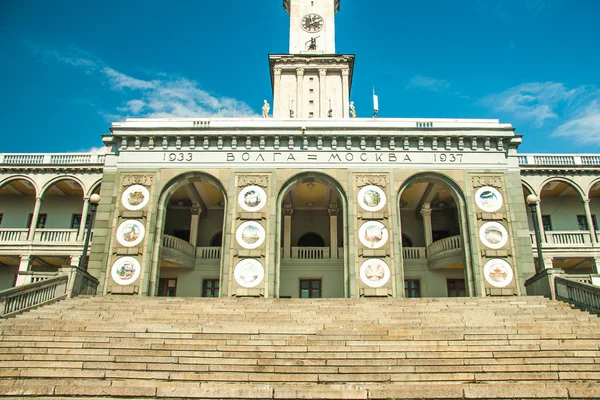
x=309, y=203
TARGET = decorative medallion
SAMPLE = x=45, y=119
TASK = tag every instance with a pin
x=130, y=233
x=493, y=235
x=498, y=273
x=374, y=272
x=249, y=273
x=373, y=234
x=135, y=197
x=488, y=199
x=125, y=270
x=250, y=235
x=371, y=198
x=252, y=198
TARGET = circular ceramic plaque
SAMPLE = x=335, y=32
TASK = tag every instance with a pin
x=125, y=270
x=371, y=198
x=252, y=198
x=488, y=199
x=493, y=235
x=373, y=234
x=249, y=273
x=498, y=273
x=135, y=197
x=250, y=235
x=130, y=233
x=375, y=272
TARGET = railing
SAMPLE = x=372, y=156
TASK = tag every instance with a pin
x=582, y=295
x=310, y=253
x=208, y=253
x=13, y=235
x=56, y=159
x=450, y=243
x=564, y=238
x=55, y=235
x=171, y=242
x=19, y=299
x=26, y=277
x=558, y=159
x=414, y=253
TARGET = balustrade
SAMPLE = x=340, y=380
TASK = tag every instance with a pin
x=568, y=238
x=54, y=159
x=310, y=253
x=55, y=236
x=15, y=300
x=13, y=235
x=208, y=253
x=582, y=295
x=172, y=242
x=450, y=243
x=414, y=253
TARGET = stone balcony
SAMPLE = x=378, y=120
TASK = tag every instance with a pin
x=48, y=241
x=28, y=159
x=441, y=254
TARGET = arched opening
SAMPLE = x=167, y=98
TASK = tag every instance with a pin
x=191, y=233
x=565, y=225
x=432, y=239
x=17, y=202
x=311, y=239
x=312, y=260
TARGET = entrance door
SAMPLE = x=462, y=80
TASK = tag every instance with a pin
x=456, y=288
x=310, y=288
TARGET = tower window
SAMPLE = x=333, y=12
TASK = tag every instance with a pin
x=311, y=114
x=311, y=90
x=311, y=102
x=311, y=79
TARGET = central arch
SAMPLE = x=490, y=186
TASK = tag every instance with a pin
x=186, y=261
x=311, y=256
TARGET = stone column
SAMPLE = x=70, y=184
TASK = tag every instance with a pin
x=84, y=218
x=287, y=232
x=426, y=213
x=74, y=260
x=322, y=91
x=277, y=100
x=333, y=231
x=590, y=221
x=596, y=266
x=24, y=265
x=194, y=225
x=35, y=216
x=299, y=93
x=345, y=92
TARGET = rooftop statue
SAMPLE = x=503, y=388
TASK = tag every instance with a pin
x=265, y=109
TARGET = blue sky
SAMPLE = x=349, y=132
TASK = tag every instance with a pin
x=70, y=67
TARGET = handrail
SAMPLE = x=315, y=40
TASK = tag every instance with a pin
x=208, y=253
x=13, y=235
x=414, y=253
x=582, y=295
x=449, y=243
x=25, y=297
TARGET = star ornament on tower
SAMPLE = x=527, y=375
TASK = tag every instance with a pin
x=312, y=23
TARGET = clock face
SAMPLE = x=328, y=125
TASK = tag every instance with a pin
x=312, y=22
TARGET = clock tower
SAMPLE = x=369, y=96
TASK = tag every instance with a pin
x=312, y=81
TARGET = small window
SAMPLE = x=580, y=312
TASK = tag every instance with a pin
x=210, y=288
x=311, y=102
x=167, y=287
x=412, y=288
x=456, y=288
x=582, y=222
x=311, y=90
x=76, y=221
x=310, y=288
x=41, y=222
x=311, y=114
x=547, y=222
x=311, y=79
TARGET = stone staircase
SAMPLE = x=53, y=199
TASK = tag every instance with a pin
x=175, y=348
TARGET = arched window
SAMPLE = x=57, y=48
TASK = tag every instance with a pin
x=311, y=239
x=406, y=242
x=216, y=240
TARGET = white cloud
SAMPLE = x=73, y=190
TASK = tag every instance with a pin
x=427, y=83
x=96, y=150
x=535, y=101
x=584, y=126
x=163, y=96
